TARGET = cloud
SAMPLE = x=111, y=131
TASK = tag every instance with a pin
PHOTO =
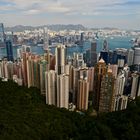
x=31, y=12
x=91, y=13
x=69, y=11
x=57, y=5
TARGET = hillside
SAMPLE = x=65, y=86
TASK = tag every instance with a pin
x=56, y=27
x=25, y=116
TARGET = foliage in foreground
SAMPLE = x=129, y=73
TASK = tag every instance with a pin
x=25, y=116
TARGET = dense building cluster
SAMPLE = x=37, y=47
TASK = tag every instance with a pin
x=106, y=82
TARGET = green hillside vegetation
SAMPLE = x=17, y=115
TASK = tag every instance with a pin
x=25, y=116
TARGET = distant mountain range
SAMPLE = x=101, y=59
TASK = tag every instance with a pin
x=57, y=27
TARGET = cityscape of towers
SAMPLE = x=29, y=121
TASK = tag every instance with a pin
x=75, y=82
x=6, y=42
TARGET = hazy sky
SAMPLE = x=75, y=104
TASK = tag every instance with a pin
x=90, y=13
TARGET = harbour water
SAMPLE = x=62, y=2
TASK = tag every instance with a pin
x=115, y=42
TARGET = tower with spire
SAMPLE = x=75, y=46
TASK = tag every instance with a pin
x=103, y=97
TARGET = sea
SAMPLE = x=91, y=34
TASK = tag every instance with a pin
x=113, y=42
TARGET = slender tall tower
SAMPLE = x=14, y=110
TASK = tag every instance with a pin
x=99, y=71
x=136, y=55
x=83, y=93
x=50, y=83
x=2, y=34
x=105, y=45
x=10, y=69
x=60, y=59
x=9, y=49
x=63, y=91
x=119, y=84
x=91, y=78
x=43, y=66
x=24, y=59
x=29, y=71
x=130, y=57
x=36, y=72
x=93, y=54
x=135, y=85
x=46, y=45
x=106, y=100
x=46, y=39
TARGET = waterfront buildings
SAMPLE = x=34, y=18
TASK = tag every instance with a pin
x=136, y=55
x=2, y=34
x=9, y=49
x=130, y=57
x=73, y=81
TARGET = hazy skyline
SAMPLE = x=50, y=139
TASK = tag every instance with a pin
x=90, y=13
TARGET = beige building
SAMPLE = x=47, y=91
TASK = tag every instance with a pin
x=83, y=93
x=50, y=83
x=63, y=91
x=135, y=84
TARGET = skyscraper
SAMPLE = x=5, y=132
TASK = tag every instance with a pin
x=136, y=56
x=135, y=85
x=43, y=67
x=24, y=59
x=2, y=34
x=10, y=69
x=105, y=45
x=33, y=75
x=4, y=70
x=100, y=70
x=104, y=55
x=46, y=39
x=119, y=84
x=29, y=71
x=106, y=100
x=93, y=55
x=9, y=49
x=87, y=57
x=91, y=78
x=114, y=69
x=126, y=71
x=19, y=73
x=78, y=61
x=82, y=38
x=60, y=59
x=83, y=93
x=111, y=57
x=130, y=57
x=36, y=72
x=121, y=56
x=63, y=91
x=50, y=83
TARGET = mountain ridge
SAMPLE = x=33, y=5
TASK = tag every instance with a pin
x=55, y=27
